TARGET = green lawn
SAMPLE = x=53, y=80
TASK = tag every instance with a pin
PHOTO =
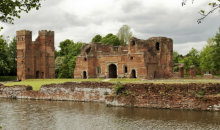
x=37, y=83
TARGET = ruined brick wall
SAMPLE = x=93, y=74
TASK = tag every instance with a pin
x=194, y=96
x=150, y=59
x=35, y=59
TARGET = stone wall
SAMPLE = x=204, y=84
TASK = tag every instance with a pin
x=169, y=96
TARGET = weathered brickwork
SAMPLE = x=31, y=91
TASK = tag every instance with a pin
x=146, y=59
x=35, y=59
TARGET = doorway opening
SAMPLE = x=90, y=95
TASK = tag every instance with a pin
x=37, y=74
x=112, y=69
x=84, y=75
x=133, y=74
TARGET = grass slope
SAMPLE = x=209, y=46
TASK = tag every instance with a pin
x=37, y=83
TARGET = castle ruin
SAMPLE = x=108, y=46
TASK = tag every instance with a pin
x=35, y=59
x=145, y=59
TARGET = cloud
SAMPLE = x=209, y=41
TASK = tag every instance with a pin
x=81, y=20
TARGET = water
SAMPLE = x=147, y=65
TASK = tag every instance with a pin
x=58, y=115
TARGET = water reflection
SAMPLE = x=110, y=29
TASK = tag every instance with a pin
x=31, y=114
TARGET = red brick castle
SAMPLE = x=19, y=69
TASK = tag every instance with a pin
x=35, y=59
x=147, y=59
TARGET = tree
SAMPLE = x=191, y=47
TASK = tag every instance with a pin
x=207, y=62
x=97, y=38
x=64, y=47
x=10, y=9
x=12, y=55
x=110, y=39
x=216, y=49
x=65, y=63
x=124, y=34
x=215, y=5
x=192, y=58
x=4, y=61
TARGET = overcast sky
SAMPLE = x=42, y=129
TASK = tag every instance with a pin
x=81, y=20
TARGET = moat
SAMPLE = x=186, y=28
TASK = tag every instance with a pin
x=33, y=114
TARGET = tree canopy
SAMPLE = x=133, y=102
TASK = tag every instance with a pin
x=124, y=34
x=10, y=9
x=110, y=39
x=97, y=38
x=65, y=59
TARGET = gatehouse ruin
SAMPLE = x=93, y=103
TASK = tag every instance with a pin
x=35, y=59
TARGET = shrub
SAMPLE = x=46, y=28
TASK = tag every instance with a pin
x=200, y=94
x=118, y=87
x=106, y=93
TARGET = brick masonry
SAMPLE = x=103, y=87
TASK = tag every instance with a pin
x=35, y=59
x=193, y=96
x=146, y=59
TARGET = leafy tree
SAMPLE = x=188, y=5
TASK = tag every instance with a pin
x=4, y=61
x=10, y=9
x=110, y=39
x=207, y=62
x=12, y=55
x=192, y=58
x=64, y=47
x=124, y=34
x=97, y=38
x=58, y=64
x=216, y=53
x=65, y=64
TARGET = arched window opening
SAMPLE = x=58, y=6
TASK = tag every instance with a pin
x=88, y=50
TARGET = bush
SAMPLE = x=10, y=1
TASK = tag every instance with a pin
x=106, y=93
x=118, y=87
x=200, y=94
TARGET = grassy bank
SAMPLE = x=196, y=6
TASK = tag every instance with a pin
x=37, y=83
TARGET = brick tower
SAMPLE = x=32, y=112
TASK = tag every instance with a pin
x=35, y=59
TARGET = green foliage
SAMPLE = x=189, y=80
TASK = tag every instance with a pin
x=216, y=50
x=12, y=55
x=8, y=57
x=65, y=61
x=192, y=58
x=124, y=34
x=110, y=39
x=10, y=9
x=58, y=64
x=106, y=93
x=97, y=38
x=4, y=60
x=200, y=94
x=8, y=78
x=207, y=62
x=118, y=88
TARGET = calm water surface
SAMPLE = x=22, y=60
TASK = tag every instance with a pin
x=57, y=115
